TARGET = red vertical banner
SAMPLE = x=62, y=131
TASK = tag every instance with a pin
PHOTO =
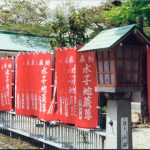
x=34, y=85
x=21, y=77
x=66, y=84
x=87, y=98
x=6, y=84
x=76, y=81
x=46, y=105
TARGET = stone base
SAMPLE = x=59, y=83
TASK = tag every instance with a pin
x=118, y=125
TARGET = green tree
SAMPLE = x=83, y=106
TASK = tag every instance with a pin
x=75, y=28
x=24, y=15
x=59, y=29
x=129, y=12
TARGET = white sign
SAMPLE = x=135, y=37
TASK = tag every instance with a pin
x=124, y=133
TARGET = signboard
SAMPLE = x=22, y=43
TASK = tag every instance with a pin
x=124, y=133
x=6, y=84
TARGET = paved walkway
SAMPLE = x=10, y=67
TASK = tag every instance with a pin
x=141, y=137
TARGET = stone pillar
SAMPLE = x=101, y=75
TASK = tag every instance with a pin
x=118, y=125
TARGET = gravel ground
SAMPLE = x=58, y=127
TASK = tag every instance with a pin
x=12, y=143
x=141, y=137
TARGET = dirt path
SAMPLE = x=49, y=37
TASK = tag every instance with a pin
x=12, y=143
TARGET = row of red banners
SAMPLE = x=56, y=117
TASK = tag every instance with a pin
x=34, y=85
x=72, y=99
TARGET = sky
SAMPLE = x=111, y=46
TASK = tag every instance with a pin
x=78, y=3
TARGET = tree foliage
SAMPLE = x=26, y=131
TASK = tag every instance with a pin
x=71, y=26
x=78, y=27
x=23, y=15
x=70, y=30
x=129, y=12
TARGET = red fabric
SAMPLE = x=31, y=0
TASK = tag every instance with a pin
x=70, y=94
x=45, y=88
x=75, y=80
x=21, y=84
x=87, y=98
x=66, y=82
x=6, y=84
x=34, y=86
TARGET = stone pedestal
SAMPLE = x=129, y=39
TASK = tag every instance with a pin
x=118, y=125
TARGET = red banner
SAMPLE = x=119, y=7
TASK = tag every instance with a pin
x=22, y=106
x=34, y=86
x=6, y=84
x=66, y=84
x=76, y=80
x=87, y=98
